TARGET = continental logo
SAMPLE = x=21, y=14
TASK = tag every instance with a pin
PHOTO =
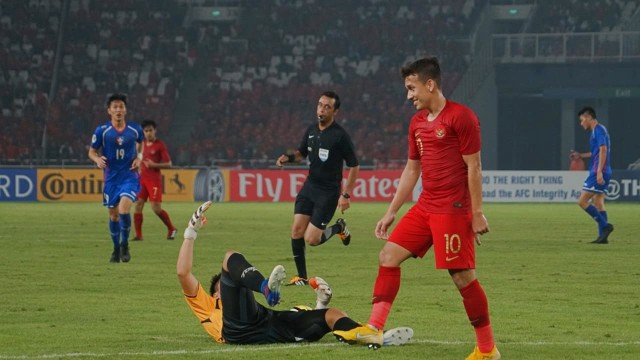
x=70, y=185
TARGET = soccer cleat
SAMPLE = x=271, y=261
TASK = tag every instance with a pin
x=271, y=286
x=138, y=238
x=604, y=237
x=397, y=336
x=494, y=354
x=323, y=292
x=298, y=281
x=171, y=234
x=115, y=256
x=125, y=256
x=344, y=233
x=362, y=335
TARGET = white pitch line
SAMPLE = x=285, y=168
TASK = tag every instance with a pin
x=235, y=348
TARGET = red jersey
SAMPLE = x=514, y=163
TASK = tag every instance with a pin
x=439, y=145
x=156, y=152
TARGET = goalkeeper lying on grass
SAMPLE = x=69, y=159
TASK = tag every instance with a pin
x=242, y=320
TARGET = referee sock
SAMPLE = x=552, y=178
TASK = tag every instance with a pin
x=298, y=249
x=125, y=228
x=329, y=232
x=384, y=293
x=477, y=307
x=595, y=214
x=243, y=273
x=114, y=229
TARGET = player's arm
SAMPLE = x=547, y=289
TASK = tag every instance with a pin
x=602, y=159
x=474, y=178
x=188, y=281
x=136, y=162
x=94, y=156
x=408, y=180
x=575, y=154
x=165, y=162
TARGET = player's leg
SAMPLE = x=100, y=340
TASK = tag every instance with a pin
x=604, y=231
x=410, y=238
x=110, y=200
x=124, y=209
x=241, y=274
x=138, y=216
x=454, y=250
x=114, y=230
x=155, y=198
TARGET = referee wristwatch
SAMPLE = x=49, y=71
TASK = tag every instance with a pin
x=345, y=195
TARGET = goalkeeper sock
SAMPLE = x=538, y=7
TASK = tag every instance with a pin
x=245, y=274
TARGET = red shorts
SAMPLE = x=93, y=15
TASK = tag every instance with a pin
x=150, y=190
x=451, y=235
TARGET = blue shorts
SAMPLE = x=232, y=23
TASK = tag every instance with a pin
x=591, y=184
x=114, y=191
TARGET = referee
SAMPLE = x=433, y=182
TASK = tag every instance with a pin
x=327, y=145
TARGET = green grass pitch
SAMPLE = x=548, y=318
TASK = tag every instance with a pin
x=551, y=294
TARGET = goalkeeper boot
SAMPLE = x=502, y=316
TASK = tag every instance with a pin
x=397, y=336
x=494, y=354
x=323, y=292
x=298, y=281
x=271, y=287
x=361, y=335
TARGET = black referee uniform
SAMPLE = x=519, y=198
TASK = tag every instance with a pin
x=326, y=150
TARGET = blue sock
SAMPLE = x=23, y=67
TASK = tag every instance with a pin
x=114, y=229
x=125, y=225
x=595, y=214
x=606, y=219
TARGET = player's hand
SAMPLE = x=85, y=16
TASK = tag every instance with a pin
x=600, y=178
x=281, y=160
x=382, y=227
x=480, y=226
x=343, y=204
x=101, y=162
x=135, y=164
x=149, y=163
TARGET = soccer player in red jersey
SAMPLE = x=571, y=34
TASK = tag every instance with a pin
x=444, y=147
x=155, y=156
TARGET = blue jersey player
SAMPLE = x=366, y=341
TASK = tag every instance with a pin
x=116, y=148
x=599, y=173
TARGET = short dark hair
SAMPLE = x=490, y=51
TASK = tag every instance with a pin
x=117, y=97
x=214, y=280
x=426, y=68
x=587, y=110
x=332, y=95
x=148, y=122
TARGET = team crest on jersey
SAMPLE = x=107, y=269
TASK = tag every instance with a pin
x=323, y=154
x=440, y=132
x=120, y=140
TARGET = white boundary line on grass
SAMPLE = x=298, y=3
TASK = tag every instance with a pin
x=241, y=348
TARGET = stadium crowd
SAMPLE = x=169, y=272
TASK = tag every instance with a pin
x=260, y=82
